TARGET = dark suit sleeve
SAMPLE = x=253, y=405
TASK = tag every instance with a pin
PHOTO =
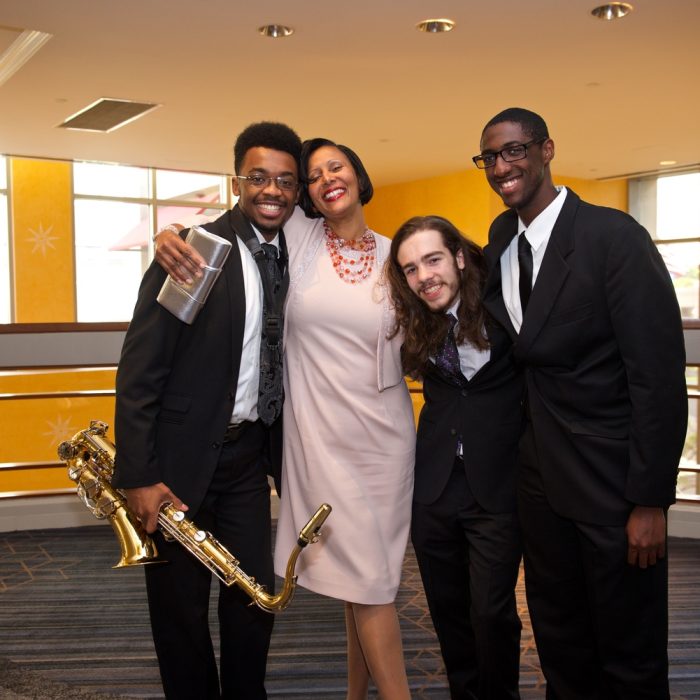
x=647, y=324
x=144, y=368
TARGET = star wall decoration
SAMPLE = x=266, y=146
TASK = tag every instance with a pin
x=42, y=239
x=60, y=430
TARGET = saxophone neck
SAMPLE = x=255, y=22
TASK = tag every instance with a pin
x=308, y=535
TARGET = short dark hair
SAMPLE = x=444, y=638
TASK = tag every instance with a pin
x=424, y=330
x=532, y=124
x=274, y=135
x=307, y=150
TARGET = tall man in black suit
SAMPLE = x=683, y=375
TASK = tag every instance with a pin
x=589, y=304
x=190, y=428
x=464, y=528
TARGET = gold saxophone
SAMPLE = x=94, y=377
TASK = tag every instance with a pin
x=90, y=459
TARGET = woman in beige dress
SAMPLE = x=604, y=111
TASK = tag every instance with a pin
x=349, y=434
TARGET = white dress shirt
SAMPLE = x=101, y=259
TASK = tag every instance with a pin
x=537, y=234
x=471, y=359
x=246, y=406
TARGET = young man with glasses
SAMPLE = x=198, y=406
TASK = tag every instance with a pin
x=194, y=426
x=593, y=316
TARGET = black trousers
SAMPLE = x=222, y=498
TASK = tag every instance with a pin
x=469, y=560
x=236, y=510
x=601, y=625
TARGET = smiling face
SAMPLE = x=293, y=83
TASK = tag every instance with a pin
x=524, y=185
x=267, y=207
x=432, y=272
x=332, y=182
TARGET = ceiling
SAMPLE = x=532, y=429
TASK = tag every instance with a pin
x=619, y=97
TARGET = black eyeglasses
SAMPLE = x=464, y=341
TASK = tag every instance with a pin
x=283, y=182
x=509, y=154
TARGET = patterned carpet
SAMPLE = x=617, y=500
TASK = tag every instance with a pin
x=71, y=627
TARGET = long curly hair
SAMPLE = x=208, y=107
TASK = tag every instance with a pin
x=424, y=330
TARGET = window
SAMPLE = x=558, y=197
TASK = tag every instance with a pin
x=117, y=210
x=5, y=290
x=665, y=206
x=689, y=474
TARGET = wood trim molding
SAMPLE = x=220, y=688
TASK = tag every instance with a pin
x=62, y=327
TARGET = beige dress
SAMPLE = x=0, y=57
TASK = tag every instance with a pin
x=349, y=433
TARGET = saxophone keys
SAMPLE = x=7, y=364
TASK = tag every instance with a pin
x=67, y=451
x=74, y=473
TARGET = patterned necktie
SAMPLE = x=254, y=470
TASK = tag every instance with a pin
x=271, y=393
x=447, y=358
x=273, y=269
x=525, y=264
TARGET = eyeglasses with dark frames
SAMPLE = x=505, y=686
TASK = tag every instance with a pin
x=283, y=182
x=509, y=154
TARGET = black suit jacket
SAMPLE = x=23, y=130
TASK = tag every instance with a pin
x=176, y=384
x=602, y=345
x=487, y=414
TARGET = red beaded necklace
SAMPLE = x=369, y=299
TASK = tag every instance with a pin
x=352, y=260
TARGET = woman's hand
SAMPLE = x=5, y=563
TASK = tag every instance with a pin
x=182, y=262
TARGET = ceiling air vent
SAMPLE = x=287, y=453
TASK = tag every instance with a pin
x=106, y=115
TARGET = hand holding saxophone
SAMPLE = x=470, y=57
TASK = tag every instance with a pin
x=145, y=502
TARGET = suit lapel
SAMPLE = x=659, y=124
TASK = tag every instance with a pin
x=551, y=277
x=233, y=273
x=504, y=228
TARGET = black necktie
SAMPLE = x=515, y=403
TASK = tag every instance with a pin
x=273, y=269
x=447, y=358
x=270, y=394
x=525, y=263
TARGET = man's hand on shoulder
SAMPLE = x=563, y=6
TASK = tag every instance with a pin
x=145, y=503
x=181, y=261
x=646, y=536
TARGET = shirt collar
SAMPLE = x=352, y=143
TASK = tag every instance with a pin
x=541, y=226
x=261, y=239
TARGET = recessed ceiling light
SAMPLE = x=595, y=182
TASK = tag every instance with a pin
x=275, y=31
x=436, y=26
x=668, y=162
x=613, y=10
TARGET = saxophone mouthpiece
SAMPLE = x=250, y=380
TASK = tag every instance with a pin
x=311, y=531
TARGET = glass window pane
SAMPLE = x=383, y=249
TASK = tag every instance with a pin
x=3, y=173
x=187, y=216
x=190, y=187
x=5, y=308
x=676, y=215
x=111, y=254
x=110, y=180
x=688, y=481
x=683, y=262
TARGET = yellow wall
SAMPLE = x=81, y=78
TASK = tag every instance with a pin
x=42, y=241
x=43, y=414
x=466, y=199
